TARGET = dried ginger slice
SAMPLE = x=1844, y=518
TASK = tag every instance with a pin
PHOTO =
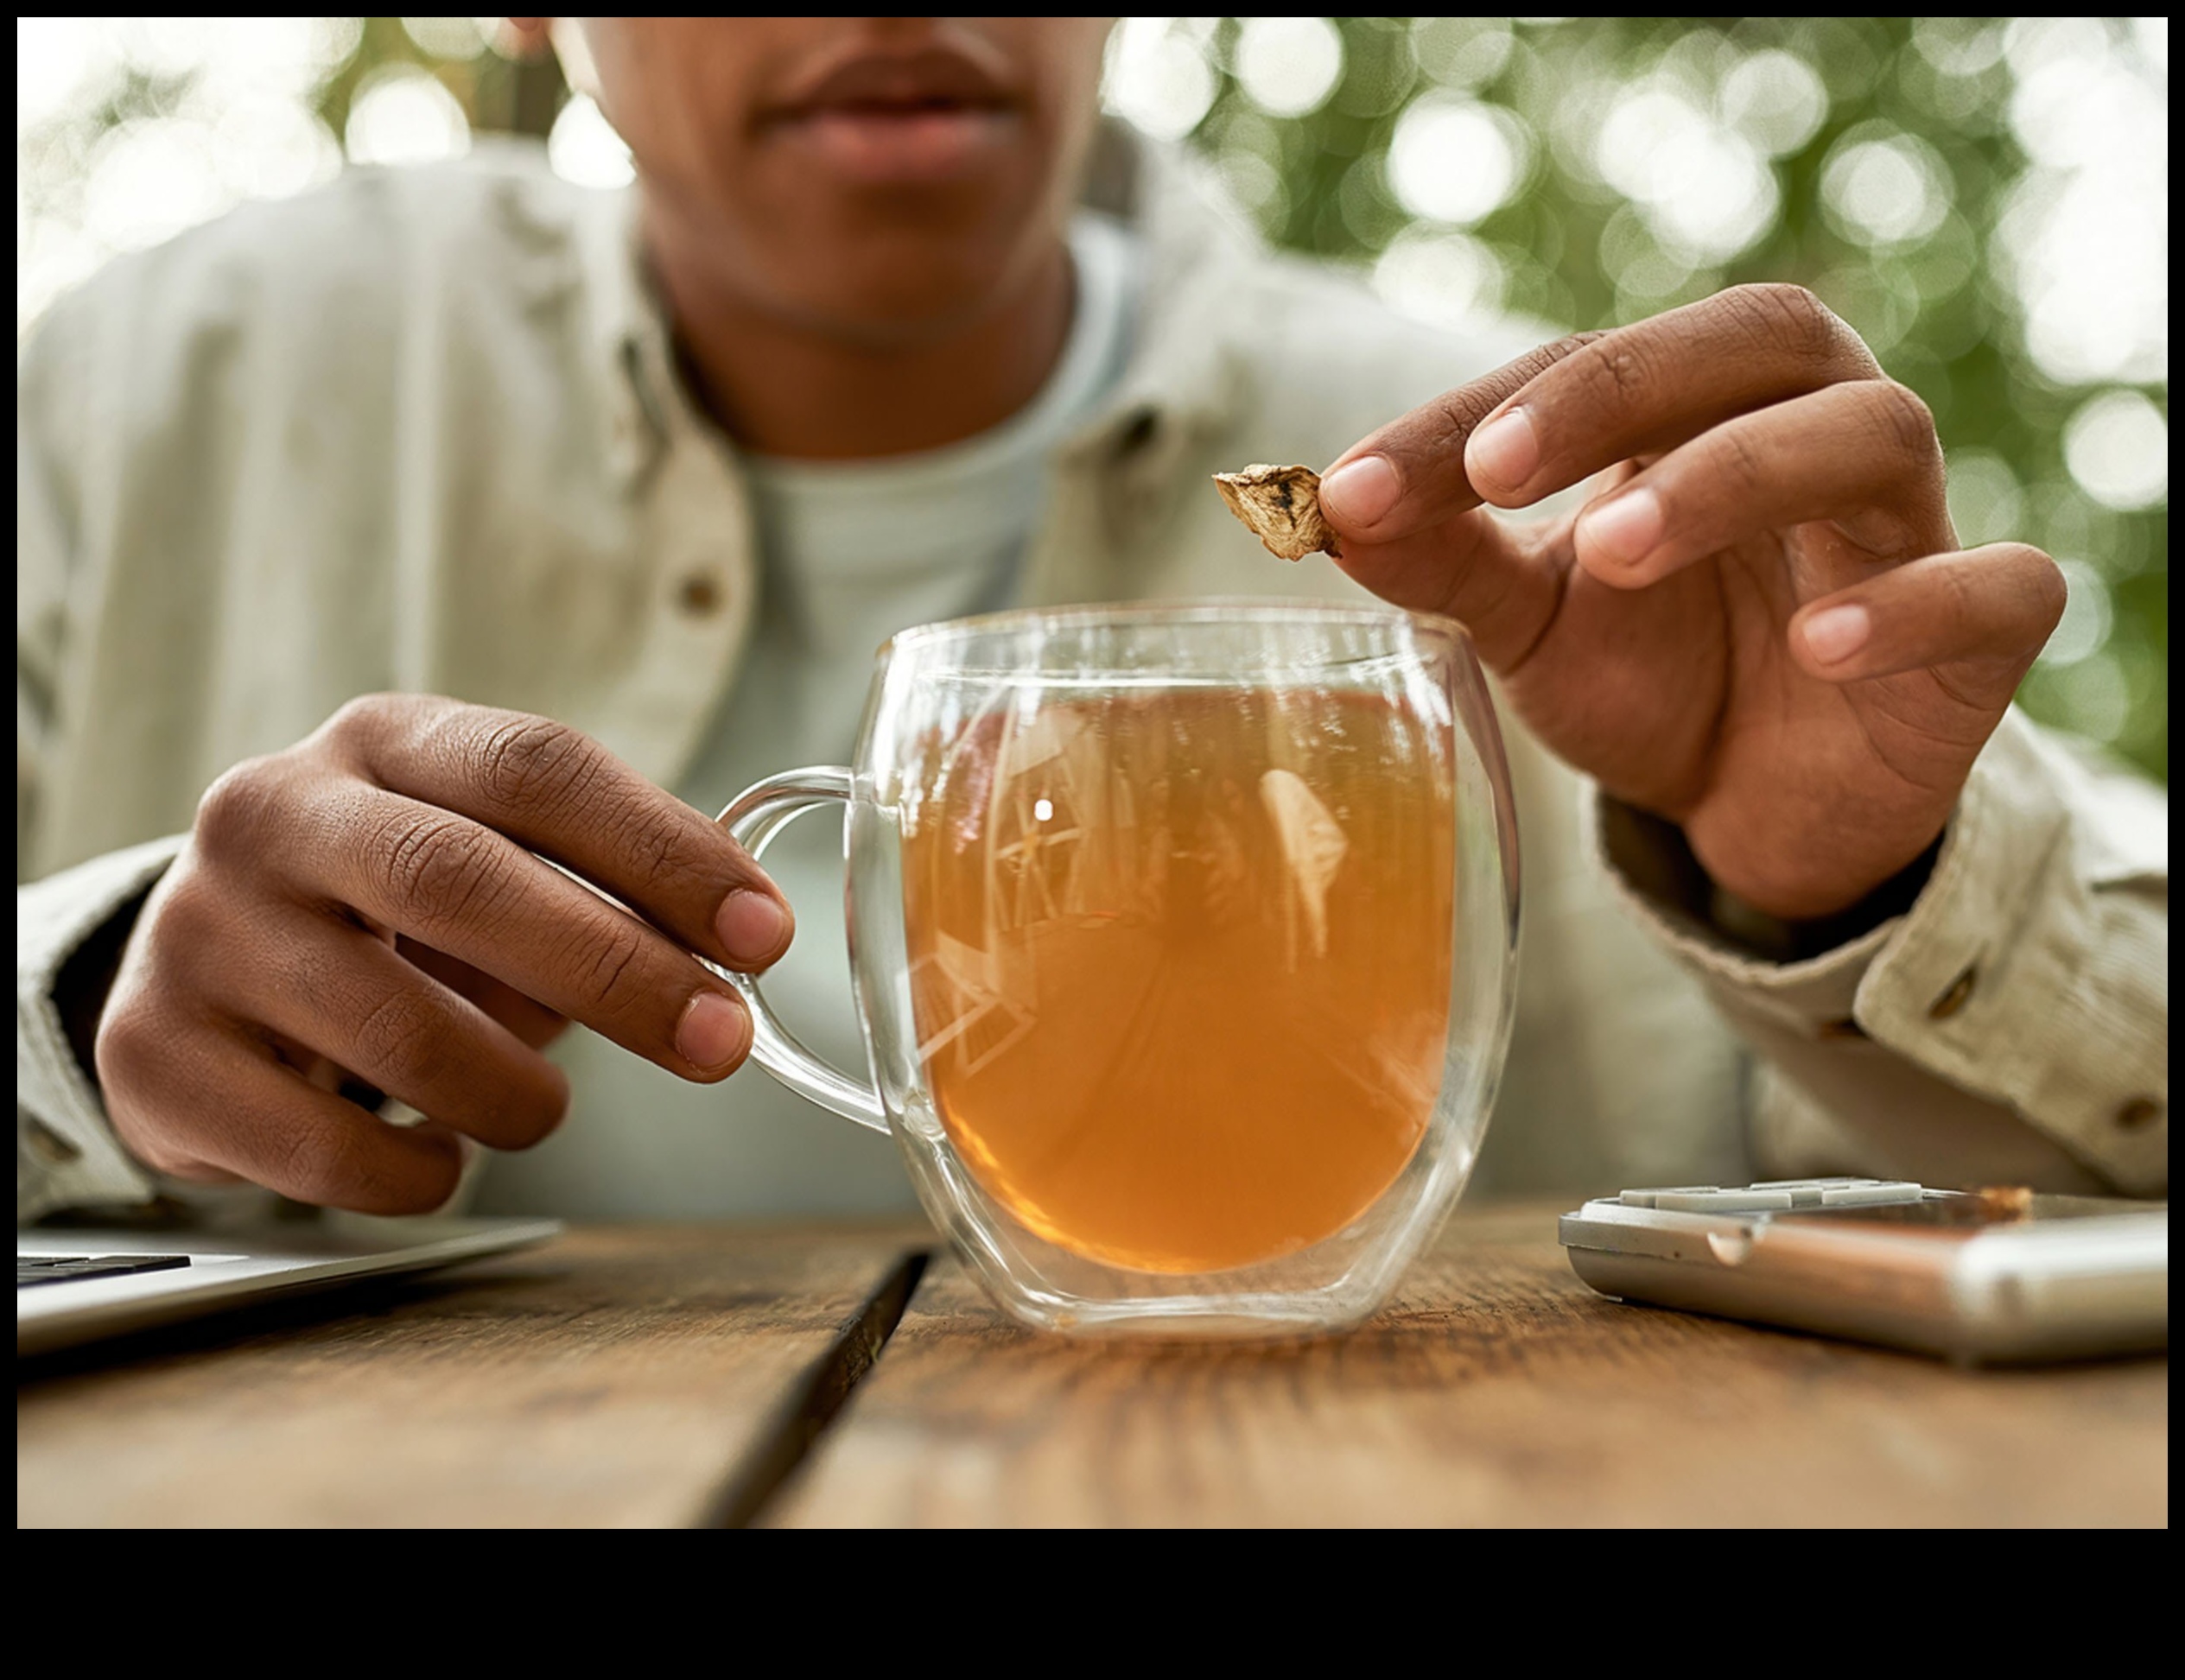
x=1280, y=506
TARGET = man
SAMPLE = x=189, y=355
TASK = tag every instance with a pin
x=617, y=495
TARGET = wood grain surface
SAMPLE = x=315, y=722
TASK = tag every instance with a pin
x=1496, y=1389
x=662, y=1375
x=612, y=1378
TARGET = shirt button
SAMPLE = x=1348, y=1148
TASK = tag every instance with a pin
x=699, y=595
x=1137, y=432
x=2138, y=1114
x=1952, y=1001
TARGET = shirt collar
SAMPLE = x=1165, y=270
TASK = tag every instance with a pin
x=1184, y=383
x=627, y=331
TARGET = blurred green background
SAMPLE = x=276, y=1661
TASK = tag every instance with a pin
x=1986, y=200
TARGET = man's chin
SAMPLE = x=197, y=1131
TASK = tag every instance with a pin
x=888, y=267
x=903, y=291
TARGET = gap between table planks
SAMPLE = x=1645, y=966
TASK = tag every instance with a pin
x=1496, y=1389
x=636, y=1376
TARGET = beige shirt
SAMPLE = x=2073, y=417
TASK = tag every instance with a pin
x=850, y=552
x=421, y=431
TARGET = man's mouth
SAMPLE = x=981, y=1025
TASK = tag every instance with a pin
x=882, y=118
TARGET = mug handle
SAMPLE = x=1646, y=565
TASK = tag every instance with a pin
x=752, y=819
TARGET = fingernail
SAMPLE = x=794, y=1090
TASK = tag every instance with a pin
x=1504, y=450
x=1359, y=493
x=713, y=1033
x=1836, y=633
x=1625, y=529
x=753, y=928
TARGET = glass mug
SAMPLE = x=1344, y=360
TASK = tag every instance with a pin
x=1183, y=939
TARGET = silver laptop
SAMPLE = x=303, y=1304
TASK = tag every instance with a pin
x=77, y=1284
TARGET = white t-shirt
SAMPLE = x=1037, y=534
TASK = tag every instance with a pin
x=853, y=553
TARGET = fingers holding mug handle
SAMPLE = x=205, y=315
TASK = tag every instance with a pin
x=752, y=819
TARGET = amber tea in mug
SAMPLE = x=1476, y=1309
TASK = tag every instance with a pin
x=1180, y=964
x=1183, y=938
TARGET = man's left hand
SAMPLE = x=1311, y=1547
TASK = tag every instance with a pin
x=1761, y=625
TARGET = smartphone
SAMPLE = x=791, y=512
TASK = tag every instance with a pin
x=1990, y=1276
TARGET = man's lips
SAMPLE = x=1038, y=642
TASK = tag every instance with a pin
x=936, y=74
x=880, y=117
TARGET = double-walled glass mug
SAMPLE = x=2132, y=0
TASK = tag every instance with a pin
x=1183, y=938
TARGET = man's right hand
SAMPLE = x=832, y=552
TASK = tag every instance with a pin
x=368, y=906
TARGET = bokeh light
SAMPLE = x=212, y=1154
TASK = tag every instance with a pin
x=584, y=148
x=2084, y=630
x=2084, y=237
x=1703, y=189
x=449, y=37
x=1456, y=161
x=1288, y=66
x=1450, y=279
x=1987, y=502
x=2118, y=447
x=1884, y=189
x=1774, y=99
x=1461, y=53
x=1986, y=200
x=401, y=114
x=1158, y=76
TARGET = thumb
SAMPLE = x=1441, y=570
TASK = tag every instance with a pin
x=1500, y=583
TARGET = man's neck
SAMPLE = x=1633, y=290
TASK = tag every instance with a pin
x=788, y=389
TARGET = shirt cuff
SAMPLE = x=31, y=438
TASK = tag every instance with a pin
x=2028, y=971
x=66, y=1154
x=1664, y=889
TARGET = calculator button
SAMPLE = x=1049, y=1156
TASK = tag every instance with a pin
x=1876, y=1194
x=1775, y=1196
x=1808, y=1183
x=1810, y=1192
x=1723, y=1202
x=1646, y=1198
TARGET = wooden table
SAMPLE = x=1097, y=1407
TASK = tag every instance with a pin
x=805, y=1377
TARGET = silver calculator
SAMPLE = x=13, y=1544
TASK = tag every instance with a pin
x=1977, y=1276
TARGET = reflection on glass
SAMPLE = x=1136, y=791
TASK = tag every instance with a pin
x=1181, y=962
